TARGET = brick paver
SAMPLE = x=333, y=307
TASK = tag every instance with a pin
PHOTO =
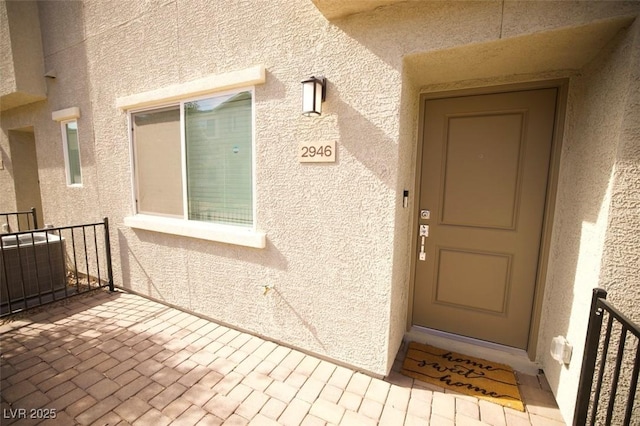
x=118, y=358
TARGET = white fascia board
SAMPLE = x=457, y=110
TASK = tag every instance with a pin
x=210, y=84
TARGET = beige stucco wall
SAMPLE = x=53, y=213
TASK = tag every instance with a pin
x=338, y=239
x=601, y=119
x=21, y=61
x=8, y=82
x=64, y=53
x=25, y=174
x=621, y=260
x=7, y=187
x=330, y=272
x=21, y=78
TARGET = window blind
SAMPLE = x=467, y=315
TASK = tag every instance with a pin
x=73, y=153
x=158, y=161
x=218, y=133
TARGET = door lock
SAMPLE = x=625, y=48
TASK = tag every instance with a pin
x=424, y=230
x=425, y=214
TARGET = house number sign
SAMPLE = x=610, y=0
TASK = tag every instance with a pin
x=317, y=152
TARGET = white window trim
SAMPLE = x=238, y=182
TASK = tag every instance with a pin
x=65, y=147
x=193, y=89
x=194, y=229
x=179, y=94
x=64, y=116
x=67, y=114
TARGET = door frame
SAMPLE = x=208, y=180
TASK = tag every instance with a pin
x=550, y=200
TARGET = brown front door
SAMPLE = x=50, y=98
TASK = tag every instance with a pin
x=482, y=196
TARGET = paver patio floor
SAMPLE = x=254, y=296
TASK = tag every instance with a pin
x=118, y=359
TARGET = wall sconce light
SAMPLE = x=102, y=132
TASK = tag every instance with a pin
x=314, y=92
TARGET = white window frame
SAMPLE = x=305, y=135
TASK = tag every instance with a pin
x=67, y=162
x=64, y=117
x=207, y=87
x=183, y=148
x=134, y=173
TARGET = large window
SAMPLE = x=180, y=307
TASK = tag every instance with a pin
x=71, y=152
x=194, y=159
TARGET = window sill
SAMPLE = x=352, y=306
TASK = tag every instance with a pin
x=200, y=230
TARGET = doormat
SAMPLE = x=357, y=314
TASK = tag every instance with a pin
x=463, y=374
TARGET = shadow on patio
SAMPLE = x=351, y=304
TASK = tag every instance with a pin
x=118, y=358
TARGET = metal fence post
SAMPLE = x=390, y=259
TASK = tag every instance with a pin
x=589, y=359
x=35, y=219
x=107, y=242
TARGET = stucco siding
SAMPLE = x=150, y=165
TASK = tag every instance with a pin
x=402, y=255
x=597, y=106
x=7, y=85
x=527, y=17
x=7, y=187
x=328, y=258
x=334, y=278
x=620, y=272
x=21, y=62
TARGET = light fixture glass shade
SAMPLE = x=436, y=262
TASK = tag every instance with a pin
x=313, y=93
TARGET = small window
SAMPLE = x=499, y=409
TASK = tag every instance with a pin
x=194, y=160
x=71, y=152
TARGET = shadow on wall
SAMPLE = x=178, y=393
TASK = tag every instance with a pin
x=129, y=261
x=268, y=257
x=7, y=203
x=169, y=254
x=312, y=330
x=364, y=140
x=25, y=172
x=589, y=145
x=65, y=45
x=595, y=109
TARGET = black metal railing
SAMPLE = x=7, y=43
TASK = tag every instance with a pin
x=41, y=266
x=611, y=362
x=18, y=221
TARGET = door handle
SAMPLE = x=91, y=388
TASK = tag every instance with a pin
x=424, y=233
